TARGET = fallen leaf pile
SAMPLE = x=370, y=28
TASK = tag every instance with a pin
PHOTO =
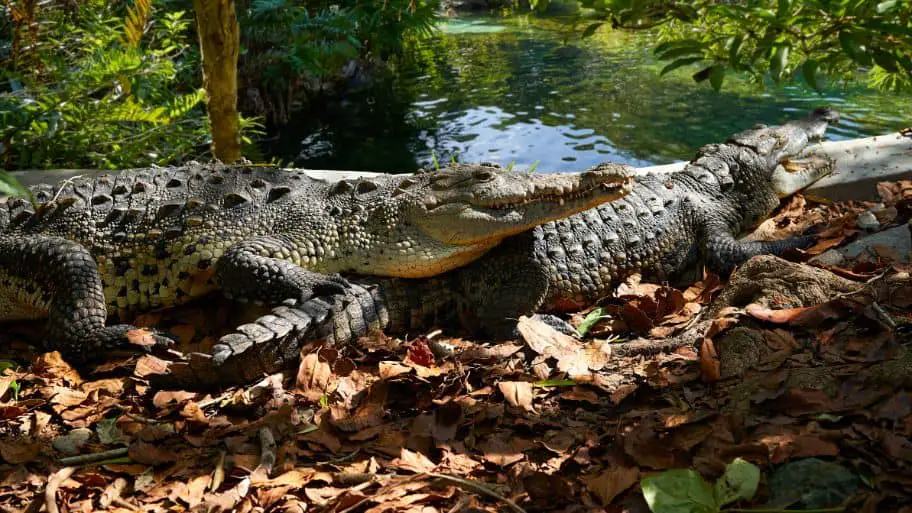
x=657, y=407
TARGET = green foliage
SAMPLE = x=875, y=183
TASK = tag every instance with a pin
x=290, y=46
x=779, y=39
x=684, y=490
x=591, y=319
x=9, y=186
x=104, y=87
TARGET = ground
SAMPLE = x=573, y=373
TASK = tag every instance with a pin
x=800, y=371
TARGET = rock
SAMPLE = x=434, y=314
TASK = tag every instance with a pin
x=777, y=283
x=70, y=443
x=867, y=221
x=894, y=244
x=830, y=258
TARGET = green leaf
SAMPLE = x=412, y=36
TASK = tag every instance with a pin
x=679, y=491
x=809, y=69
x=885, y=60
x=681, y=51
x=778, y=62
x=555, y=383
x=10, y=186
x=678, y=63
x=739, y=482
x=674, y=49
x=716, y=76
x=886, y=6
x=854, y=48
x=733, y=50
x=591, y=29
x=784, y=9
x=108, y=432
x=703, y=74
x=590, y=320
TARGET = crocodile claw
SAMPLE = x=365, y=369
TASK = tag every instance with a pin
x=325, y=285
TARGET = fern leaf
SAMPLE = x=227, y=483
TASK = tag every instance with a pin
x=181, y=105
x=135, y=23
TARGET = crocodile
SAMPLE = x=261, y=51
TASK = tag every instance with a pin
x=87, y=248
x=669, y=227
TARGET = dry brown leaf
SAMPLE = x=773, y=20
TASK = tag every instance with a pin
x=315, y=377
x=413, y=461
x=193, y=493
x=183, y=332
x=19, y=451
x=165, y=398
x=389, y=370
x=612, y=482
x=503, y=448
x=151, y=453
x=517, y=393
x=419, y=353
x=548, y=342
x=51, y=365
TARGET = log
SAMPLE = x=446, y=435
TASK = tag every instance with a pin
x=860, y=164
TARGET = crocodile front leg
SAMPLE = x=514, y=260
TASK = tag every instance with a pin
x=59, y=279
x=724, y=252
x=494, y=292
x=259, y=270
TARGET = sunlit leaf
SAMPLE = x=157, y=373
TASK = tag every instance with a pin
x=733, y=49
x=10, y=186
x=778, y=62
x=716, y=77
x=591, y=319
x=883, y=7
x=679, y=491
x=739, y=482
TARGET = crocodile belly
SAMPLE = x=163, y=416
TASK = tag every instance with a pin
x=22, y=299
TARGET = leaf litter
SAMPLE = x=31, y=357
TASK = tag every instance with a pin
x=663, y=402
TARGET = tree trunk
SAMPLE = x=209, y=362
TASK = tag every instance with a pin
x=219, y=37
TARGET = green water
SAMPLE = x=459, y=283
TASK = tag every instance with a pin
x=524, y=89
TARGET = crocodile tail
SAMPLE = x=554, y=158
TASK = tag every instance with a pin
x=273, y=342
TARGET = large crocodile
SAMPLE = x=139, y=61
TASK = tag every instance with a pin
x=90, y=247
x=666, y=228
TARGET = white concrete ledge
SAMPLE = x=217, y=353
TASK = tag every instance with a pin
x=860, y=164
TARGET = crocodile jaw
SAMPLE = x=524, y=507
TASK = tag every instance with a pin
x=477, y=222
x=793, y=175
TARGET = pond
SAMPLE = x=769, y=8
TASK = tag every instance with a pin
x=523, y=89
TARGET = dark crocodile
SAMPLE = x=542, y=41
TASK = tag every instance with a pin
x=90, y=247
x=667, y=228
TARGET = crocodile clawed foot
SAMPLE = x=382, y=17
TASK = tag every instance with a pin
x=126, y=335
x=324, y=285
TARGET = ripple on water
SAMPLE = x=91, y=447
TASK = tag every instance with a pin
x=517, y=89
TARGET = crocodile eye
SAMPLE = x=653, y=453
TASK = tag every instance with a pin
x=484, y=176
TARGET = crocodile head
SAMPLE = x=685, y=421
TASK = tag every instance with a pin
x=796, y=170
x=479, y=205
x=429, y=223
x=783, y=150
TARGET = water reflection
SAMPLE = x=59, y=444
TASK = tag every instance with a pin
x=525, y=90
